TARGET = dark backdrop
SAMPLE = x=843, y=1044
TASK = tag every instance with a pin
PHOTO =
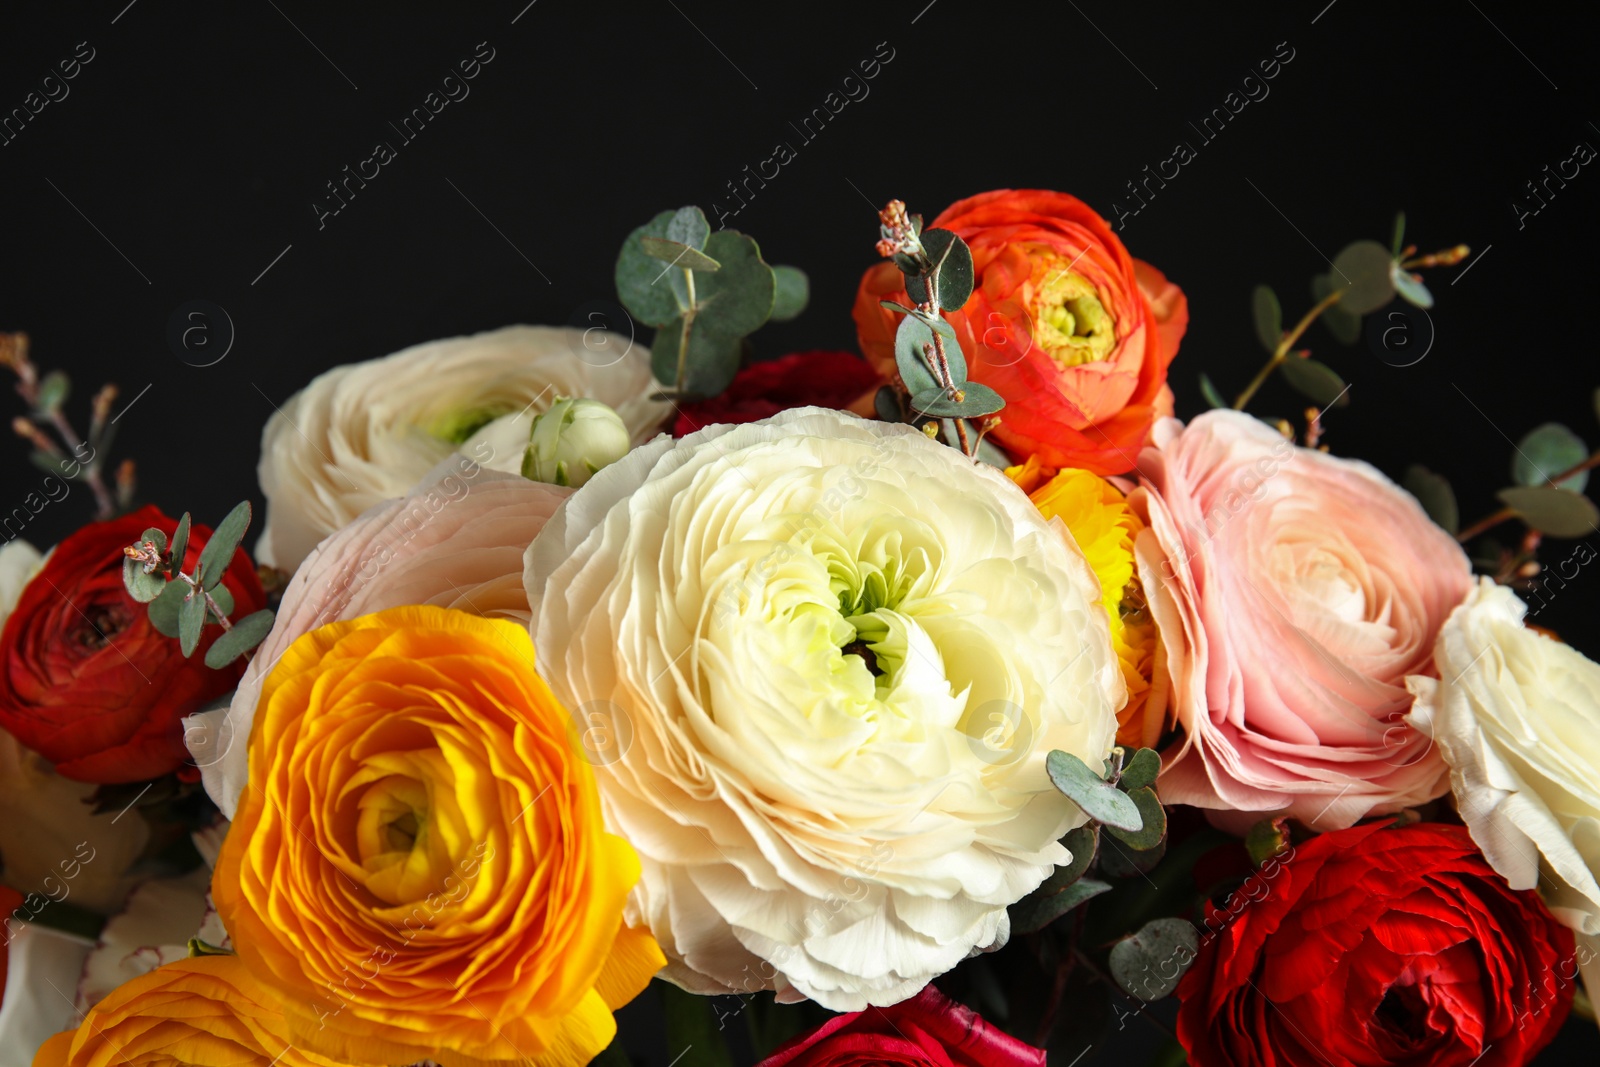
x=185, y=157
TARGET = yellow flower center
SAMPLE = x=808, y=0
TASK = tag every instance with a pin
x=1069, y=320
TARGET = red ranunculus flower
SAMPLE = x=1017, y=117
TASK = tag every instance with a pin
x=86, y=681
x=1376, y=946
x=823, y=379
x=929, y=1030
x=1072, y=331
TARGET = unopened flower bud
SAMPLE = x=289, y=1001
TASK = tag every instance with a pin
x=573, y=440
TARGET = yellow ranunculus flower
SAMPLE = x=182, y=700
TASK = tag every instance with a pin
x=418, y=866
x=1099, y=518
x=208, y=1011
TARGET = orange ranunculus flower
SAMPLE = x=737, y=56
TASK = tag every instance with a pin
x=1098, y=516
x=1072, y=331
x=418, y=865
x=207, y=1011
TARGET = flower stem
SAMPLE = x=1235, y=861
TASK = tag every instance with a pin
x=1285, y=345
x=1490, y=521
x=683, y=338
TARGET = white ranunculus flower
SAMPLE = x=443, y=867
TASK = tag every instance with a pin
x=368, y=432
x=819, y=662
x=573, y=440
x=1516, y=715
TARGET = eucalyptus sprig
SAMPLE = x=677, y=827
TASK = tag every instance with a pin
x=182, y=604
x=933, y=389
x=705, y=293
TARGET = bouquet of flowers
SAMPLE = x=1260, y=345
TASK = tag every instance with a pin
x=948, y=706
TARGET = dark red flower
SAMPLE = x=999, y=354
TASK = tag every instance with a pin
x=86, y=681
x=10, y=901
x=1375, y=946
x=823, y=379
x=929, y=1030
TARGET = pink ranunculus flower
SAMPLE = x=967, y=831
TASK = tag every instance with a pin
x=455, y=541
x=1293, y=592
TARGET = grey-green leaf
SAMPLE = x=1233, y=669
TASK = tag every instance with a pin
x=53, y=391
x=977, y=401
x=912, y=356
x=1545, y=452
x=886, y=402
x=641, y=280
x=1557, y=512
x=1433, y=492
x=180, y=541
x=1315, y=380
x=1082, y=843
x=141, y=586
x=954, y=261
x=688, y=226
x=1099, y=799
x=1140, y=770
x=246, y=634
x=1033, y=913
x=675, y=254
x=1399, y=234
x=1155, y=821
x=1345, y=326
x=1362, y=271
x=165, y=608
x=1210, y=393
x=224, y=602
x=1149, y=964
x=224, y=541
x=1410, y=288
x=737, y=299
x=792, y=295
x=191, y=621
x=1268, y=318
x=156, y=537
x=712, y=360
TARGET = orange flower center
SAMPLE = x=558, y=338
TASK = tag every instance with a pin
x=1069, y=320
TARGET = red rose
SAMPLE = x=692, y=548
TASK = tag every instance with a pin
x=1070, y=329
x=823, y=379
x=929, y=1029
x=1379, y=946
x=86, y=681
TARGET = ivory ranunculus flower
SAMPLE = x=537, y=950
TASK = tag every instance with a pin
x=209, y=1011
x=418, y=868
x=1516, y=715
x=366, y=432
x=1294, y=592
x=823, y=660
x=455, y=541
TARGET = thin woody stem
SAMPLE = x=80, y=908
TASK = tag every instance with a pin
x=1504, y=514
x=1285, y=345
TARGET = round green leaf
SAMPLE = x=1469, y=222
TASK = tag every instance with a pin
x=53, y=390
x=953, y=259
x=642, y=283
x=688, y=226
x=977, y=401
x=1149, y=964
x=154, y=536
x=912, y=340
x=1557, y=512
x=1082, y=843
x=886, y=402
x=792, y=294
x=1435, y=496
x=1545, y=452
x=141, y=586
x=677, y=254
x=1362, y=271
x=1154, y=829
x=246, y=634
x=712, y=362
x=1268, y=315
x=1035, y=912
x=1315, y=380
x=164, y=609
x=737, y=299
x=1410, y=289
x=1345, y=327
x=1099, y=799
x=1140, y=770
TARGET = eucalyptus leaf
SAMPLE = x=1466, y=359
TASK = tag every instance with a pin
x=1345, y=327
x=737, y=299
x=1362, y=270
x=977, y=401
x=141, y=586
x=1433, y=492
x=1210, y=393
x=154, y=536
x=1556, y=512
x=180, y=542
x=953, y=260
x=641, y=279
x=1410, y=288
x=792, y=294
x=1268, y=314
x=165, y=608
x=895, y=305
x=1099, y=799
x=1082, y=842
x=688, y=226
x=223, y=542
x=53, y=391
x=886, y=402
x=1545, y=452
x=245, y=634
x=712, y=361
x=674, y=254
x=1149, y=964
x=1140, y=770
x=224, y=602
x=1315, y=380
x=1399, y=241
x=191, y=621
x=1034, y=913
x=1154, y=829
x=913, y=342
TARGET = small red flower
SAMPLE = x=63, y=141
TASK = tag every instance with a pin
x=822, y=379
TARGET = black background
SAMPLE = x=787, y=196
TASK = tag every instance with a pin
x=191, y=148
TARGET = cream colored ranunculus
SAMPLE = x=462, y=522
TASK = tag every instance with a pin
x=821, y=661
x=366, y=432
x=1516, y=715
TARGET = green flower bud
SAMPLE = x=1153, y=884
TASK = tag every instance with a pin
x=573, y=440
